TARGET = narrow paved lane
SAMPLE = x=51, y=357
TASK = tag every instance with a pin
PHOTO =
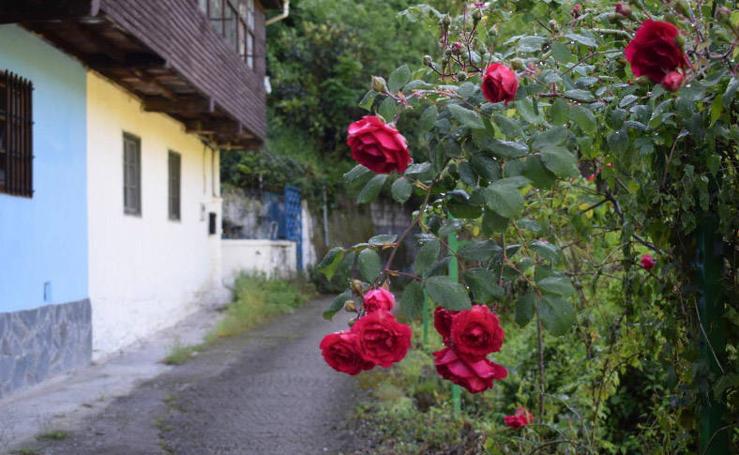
x=267, y=392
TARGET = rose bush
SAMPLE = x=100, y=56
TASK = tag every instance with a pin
x=618, y=139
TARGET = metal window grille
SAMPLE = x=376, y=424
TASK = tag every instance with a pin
x=131, y=174
x=175, y=185
x=16, y=135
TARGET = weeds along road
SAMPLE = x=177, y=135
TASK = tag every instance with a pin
x=265, y=392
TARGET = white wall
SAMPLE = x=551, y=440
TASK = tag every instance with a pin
x=275, y=258
x=146, y=272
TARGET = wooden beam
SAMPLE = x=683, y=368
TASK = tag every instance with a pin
x=138, y=61
x=190, y=105
x=13, y=11
x=223, y=127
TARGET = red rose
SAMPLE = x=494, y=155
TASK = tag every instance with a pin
x=475, y=376
x=654, y=51
x=382, y=340
x=476, y=332
x=520, y=418
x=673, y=81
x=648, y=262
x=378, y=146
x=443, y=322
x=378, y=299
x=341, y=351
x=499, y=83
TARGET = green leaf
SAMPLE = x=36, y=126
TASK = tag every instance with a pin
x=398, y=78
x=507, y=149
x=525, y=308
x=426, y=256
x=546, y=250
x=428, y=118
x=483, y=284
x=492, y=223
x=584, y=118
x=582, y=39
x=401, y=189
x=560, y=161
x=466, y=117
x=552, y=137
x=583, y=96
x=479, y=250
x=557, y=285
x=539, y=175
x=372, y=189
x=369, y=264
x=388, y=109
x=382, y=239
x=509, y=126
x=503, y=199
x=485, y=167
x=618, y=141
x=559, y=112
x=526, y=110
x=717, y=108
x=337, y=304
x=464, y=210
x=368, y=100
x=730, y=93
x=447, y=293
x=357, y=173
x=331, y=261
x=557, y=314
x=411, y=302
x=561, y=52
x=531, y=43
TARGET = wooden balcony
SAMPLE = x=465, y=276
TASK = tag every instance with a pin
x=166, y=53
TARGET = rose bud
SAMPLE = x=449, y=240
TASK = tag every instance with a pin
x=623, y=9
x=499, y=83
x=457, y=47
x=461, y=76
x=378, y=84
x=673, y=81
x=378, y=299
x=428, y=60
x=648, y=262
x=554, y=26
x=350, y=306
x=576, y=10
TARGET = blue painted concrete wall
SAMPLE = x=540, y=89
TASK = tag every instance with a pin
x=43, y=240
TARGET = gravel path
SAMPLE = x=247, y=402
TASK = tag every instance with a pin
x=267, y=392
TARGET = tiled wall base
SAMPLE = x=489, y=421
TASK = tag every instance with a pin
x=40, y=343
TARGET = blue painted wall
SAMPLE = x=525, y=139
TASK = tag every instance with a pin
x=44, y=239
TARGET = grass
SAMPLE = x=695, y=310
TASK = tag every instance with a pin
x=181, y=353
x=56, y=435
x=26, y=451
x=257, y=299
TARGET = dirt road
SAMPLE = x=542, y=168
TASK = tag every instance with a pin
x=266, y=392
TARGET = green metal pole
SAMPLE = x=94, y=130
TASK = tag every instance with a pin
x=454, y=276
x=714, y=436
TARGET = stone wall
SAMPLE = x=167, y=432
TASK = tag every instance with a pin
x=40, y=343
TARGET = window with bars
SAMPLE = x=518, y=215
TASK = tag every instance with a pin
x=234, y=20
x=175, y=185
x=131, y=174
x=16, y=135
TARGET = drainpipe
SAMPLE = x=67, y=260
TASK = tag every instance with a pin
x=281, y=16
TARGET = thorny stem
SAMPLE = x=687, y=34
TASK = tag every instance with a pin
x=540, y=349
